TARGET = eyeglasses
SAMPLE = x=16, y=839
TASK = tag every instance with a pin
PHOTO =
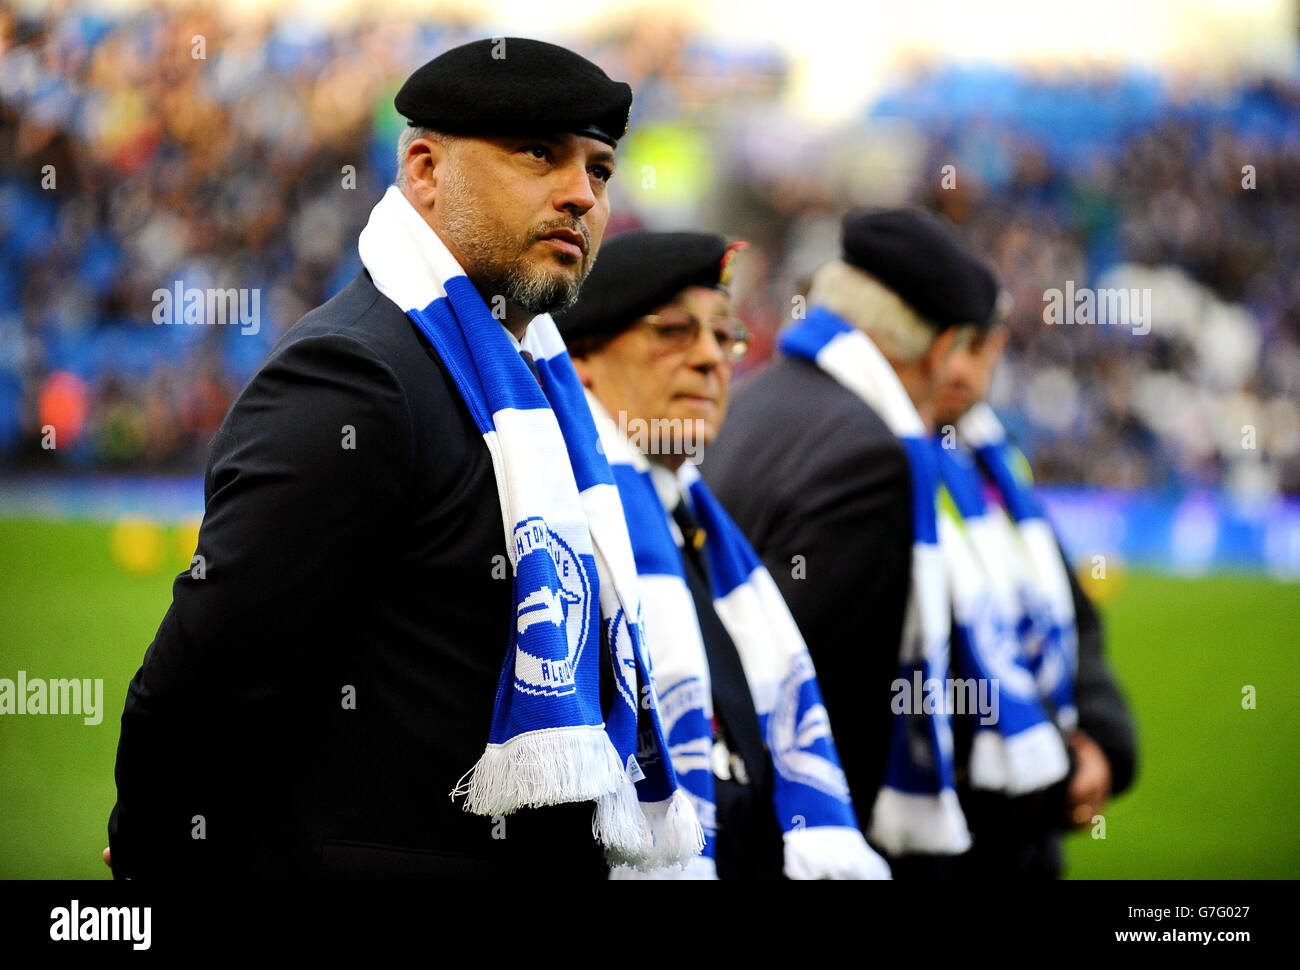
x=677, y=329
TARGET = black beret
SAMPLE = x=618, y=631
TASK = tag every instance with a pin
x=638, y=271
x=919, y=257
x=512, y=84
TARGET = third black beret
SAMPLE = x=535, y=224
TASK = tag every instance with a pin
x=513, y=84
x=919, y=257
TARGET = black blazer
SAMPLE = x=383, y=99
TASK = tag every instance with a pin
x=822, y=488
x=311, y=699
x=817, y=482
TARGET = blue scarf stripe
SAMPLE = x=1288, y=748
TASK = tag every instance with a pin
x=438, y=323
x=925, y=482
x=1021, y=502
x=580, y=437
x=807, y=338
x=503, y=377
x=959, y=475
x=732, y=559
x=912, y=732
x=652, y=543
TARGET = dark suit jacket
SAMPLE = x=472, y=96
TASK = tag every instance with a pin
x=316, y=695
x=814, y=477
x=816, y=481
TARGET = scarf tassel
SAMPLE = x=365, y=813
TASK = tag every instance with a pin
x=555, y=765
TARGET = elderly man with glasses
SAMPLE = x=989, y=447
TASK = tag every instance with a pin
x=654, y=341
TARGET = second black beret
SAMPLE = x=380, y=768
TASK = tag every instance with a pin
x=919, y=257
x=513, y=84
x=639, y=271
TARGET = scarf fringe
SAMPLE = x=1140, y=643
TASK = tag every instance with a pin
x=675, y=835
x=832, y=852
x=903, y=823
x=701, y=868
x=547, y=767
x=621, y=826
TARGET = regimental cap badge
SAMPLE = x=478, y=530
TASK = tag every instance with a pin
x=725, y=268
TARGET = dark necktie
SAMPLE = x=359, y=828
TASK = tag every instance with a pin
x=532, y=364
x=694, y=535
x=732, y=703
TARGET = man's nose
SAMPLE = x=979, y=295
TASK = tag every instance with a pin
x=707, y=353
x=574, y=193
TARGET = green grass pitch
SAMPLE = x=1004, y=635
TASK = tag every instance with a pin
x=1215, y=795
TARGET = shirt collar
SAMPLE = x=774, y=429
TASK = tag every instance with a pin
x=666, y=484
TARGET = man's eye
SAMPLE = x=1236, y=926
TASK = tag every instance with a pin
x=603, y=173
x=538, y=151
x=674, y=331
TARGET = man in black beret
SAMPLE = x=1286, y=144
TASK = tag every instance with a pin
x=320, y=685
x=654, y=340
x=508, y=149
x=1017, y=837
x=822, y=485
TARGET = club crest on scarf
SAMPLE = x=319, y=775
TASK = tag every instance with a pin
x=799, y=734
x=551, y=619
x=621, y=649
x=682, y=711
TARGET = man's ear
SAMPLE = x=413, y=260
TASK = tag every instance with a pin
x=426, y=160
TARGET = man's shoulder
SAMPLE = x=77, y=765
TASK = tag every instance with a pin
x=360, y=322
x=361, y=314
x=795, y=399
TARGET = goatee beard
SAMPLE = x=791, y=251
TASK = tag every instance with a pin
x=536, y=291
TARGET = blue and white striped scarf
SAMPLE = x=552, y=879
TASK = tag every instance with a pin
x=1028, y=552
x=575, y=584
x=1018, y=749
x=810, y=794
x=916, y=809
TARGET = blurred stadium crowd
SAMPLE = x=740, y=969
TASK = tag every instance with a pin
x=186, y=147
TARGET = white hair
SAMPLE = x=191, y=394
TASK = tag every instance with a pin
x=405, y=140
x=857, y=296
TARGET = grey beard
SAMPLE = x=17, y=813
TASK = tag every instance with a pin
x=537, y=292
